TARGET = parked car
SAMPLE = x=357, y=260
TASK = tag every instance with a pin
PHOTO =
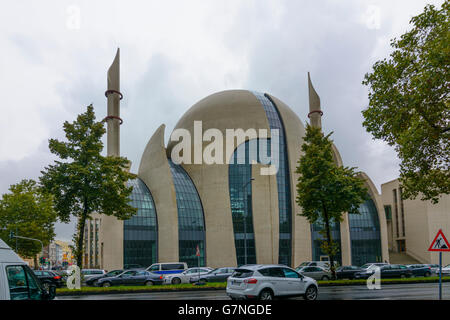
x=167, y=267
x=216, y=275
x=323, y=264
x=131, y=278
x=92, y=281
x=434, y=268
x=317, y=273
x=420, y=270
x=185, y=276
x=347, y=272
x=17, y=280
x=386, y=271
x=48, y=278
x=86, y=274
x=265, y=282
x=445, y=270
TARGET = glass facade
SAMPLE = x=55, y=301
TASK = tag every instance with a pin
x=316, y=239
x=365, y=238
x=191, y=223
x=140, y=238
x=239, y=174
x=283, y=181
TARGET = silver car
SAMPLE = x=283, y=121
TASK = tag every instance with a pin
x=86, y=274
x=317, y=273
x=265, y=282
x=185, y=276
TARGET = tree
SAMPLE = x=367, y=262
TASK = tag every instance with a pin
x=325, y=190
x=27, y=211
x=409, y=104
x=87, y=182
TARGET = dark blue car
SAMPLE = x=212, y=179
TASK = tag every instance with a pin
x=132, y=278
x=420, y=270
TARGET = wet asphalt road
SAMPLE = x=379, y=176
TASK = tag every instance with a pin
x=420, y=291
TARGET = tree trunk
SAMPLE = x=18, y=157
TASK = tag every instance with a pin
x=81, y=225
x=329, y=240
x=36, y=266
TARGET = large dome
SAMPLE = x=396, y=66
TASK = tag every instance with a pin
x=234, y=109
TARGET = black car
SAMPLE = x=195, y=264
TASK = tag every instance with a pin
x=347, y=272
x=49, y=278
x=93, y=280
x=132, y=278
x=387, y=271
x=420, y=270
x=216, y=275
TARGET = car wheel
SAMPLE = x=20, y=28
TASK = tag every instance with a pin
x=148, y=283
x=427, y=274
x=266, y=294
x=311, y=293
x=176, y=281
x=402, y=276
x=106, y=284
x=325, y=278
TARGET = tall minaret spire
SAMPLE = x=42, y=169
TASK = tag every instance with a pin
x=113, y=119
x=315, y=113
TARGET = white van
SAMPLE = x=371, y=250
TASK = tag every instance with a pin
x=167, y=267
x=17, y=280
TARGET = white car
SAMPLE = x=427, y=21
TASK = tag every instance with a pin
x=445, y=270
x=186, y=275
x=265, y=282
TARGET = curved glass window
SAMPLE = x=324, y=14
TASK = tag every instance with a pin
x=239, y=174
x=317, y=239
x=365, y=235
x=283, y=180
x=191, y=224
x=140, y=234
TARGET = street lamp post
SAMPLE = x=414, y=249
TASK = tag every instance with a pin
x=245, y=218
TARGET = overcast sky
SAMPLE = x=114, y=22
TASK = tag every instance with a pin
x=55, y=54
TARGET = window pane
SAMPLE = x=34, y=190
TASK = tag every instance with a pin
x=17, y=282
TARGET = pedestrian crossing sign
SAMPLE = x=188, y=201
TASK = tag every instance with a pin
x=440, y=243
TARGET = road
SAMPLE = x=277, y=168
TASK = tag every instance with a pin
x=421, y=291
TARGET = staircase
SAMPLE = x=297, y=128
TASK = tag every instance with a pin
x=401, y=258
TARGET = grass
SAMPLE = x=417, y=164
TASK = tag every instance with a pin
x=157, y=288
x=223, y=285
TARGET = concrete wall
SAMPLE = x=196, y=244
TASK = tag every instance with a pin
x=422, y=222
x=154, y=170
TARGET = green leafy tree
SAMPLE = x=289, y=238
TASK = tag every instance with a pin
x=409, y=104
x=87, y=182
x=28, y=212
x=325, y=191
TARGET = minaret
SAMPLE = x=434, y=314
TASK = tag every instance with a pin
x=113, y=119
x=315, y=114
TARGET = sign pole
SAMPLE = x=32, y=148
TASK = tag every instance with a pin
x=440, y=244
x=440, y=275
